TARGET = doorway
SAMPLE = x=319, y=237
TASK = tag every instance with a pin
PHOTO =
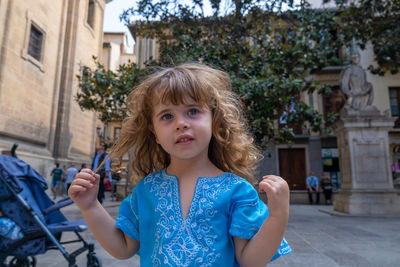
x=292, y=167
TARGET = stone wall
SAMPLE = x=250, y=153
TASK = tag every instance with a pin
x=37, y=107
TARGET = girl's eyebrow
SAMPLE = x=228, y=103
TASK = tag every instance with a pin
x=193, y=106
x=163, y=111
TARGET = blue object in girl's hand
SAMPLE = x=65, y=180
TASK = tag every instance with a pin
x=9, y=229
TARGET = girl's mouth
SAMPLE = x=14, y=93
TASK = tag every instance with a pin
x=184, y=140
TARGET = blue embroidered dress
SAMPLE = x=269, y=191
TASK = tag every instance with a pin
x=222, y=207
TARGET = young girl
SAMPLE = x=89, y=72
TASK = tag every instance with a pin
x=189, y=139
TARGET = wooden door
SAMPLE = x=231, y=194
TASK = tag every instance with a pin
x=292, y=167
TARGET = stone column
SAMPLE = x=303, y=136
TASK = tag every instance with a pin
x=367, y=186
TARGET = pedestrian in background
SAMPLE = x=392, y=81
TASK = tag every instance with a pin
x=83, y=166
x=104, y=171
x=312, y=184
x=57, y=174
x=327, y=186
x=71, y=172
x=63, y=187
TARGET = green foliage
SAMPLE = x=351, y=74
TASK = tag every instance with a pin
x=269, y=48
x=376, y=21
x=105, y=91
x=267, y=52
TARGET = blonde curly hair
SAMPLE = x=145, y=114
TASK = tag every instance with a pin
x=231, y=147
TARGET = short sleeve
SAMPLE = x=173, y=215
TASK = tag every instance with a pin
x=248, y=213
x=128, y=219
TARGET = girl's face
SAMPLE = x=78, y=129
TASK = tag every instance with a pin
x=184, y=131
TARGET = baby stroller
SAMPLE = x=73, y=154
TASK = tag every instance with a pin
x=23, y=200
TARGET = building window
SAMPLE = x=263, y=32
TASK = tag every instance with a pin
x=117, y=130
x=35, y=43
x=394, y=94
x=90, y=15
x=145, y=50
x=85, y=73
x=151, y=48
x=333, y=102
x=140, y=53
x=297, y=129
x=311, y=100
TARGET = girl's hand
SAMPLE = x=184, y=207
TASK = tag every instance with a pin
x=278, y=195
x=84, y=188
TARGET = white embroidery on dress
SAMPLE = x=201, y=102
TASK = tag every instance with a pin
x=183, y=248
x=132, y=209
x=186, y=242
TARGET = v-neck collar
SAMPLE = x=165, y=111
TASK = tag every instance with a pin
x=177, y=195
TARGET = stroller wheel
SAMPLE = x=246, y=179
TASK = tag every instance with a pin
x=29, y=261
x=93, y=260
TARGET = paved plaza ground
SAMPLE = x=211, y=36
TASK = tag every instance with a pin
x=317, y=238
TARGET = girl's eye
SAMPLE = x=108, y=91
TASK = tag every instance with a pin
x=193, y=111
x=166, y=117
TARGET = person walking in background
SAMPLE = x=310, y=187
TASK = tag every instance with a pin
x=104, y=171
x=57, y=175
x=312, y=184
x=327, y=186
x=62, y=191
x=71, y=172
x=83, y=166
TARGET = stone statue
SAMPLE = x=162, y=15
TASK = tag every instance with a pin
x=355, y=86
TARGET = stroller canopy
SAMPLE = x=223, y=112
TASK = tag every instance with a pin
x=29, y=184
x=16, y=168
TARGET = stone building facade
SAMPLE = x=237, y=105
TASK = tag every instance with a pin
x=113, y=55
x=42, y=45
x=114, y=50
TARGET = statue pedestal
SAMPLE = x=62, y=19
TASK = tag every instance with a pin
x=368, y=202
x=367, y=186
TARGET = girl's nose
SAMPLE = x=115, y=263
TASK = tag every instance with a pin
x=182, y=124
